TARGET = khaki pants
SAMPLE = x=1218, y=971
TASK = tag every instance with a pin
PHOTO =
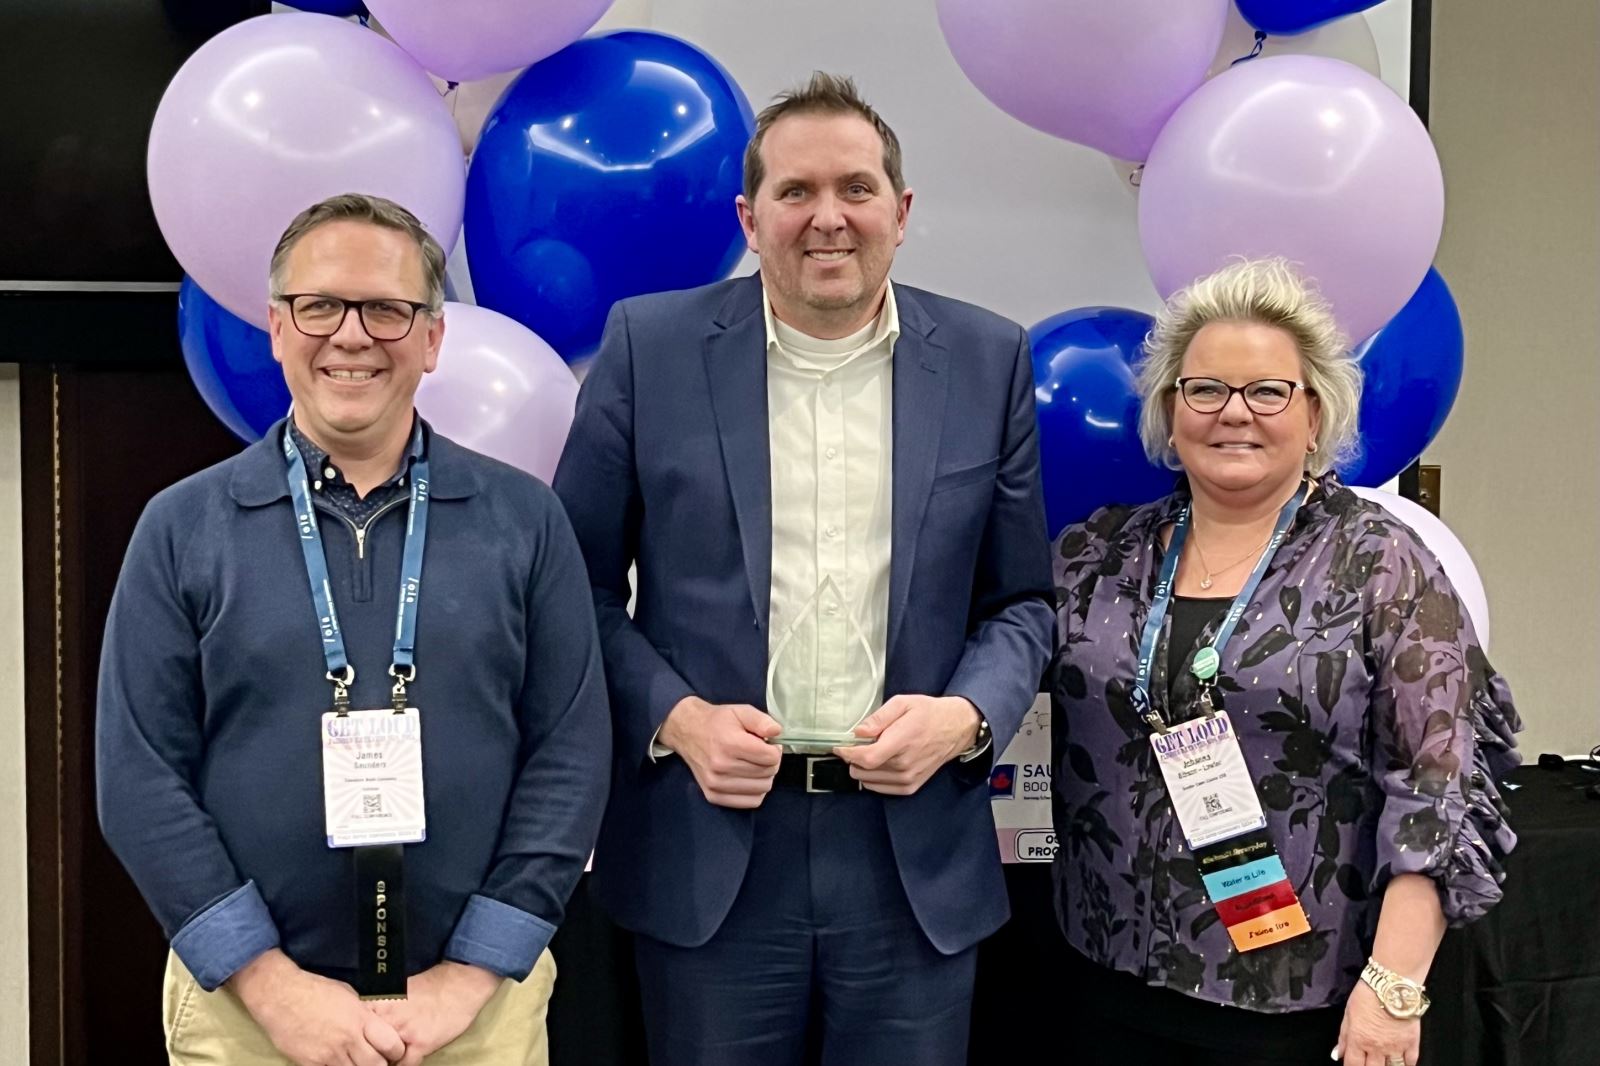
x=213, y=1028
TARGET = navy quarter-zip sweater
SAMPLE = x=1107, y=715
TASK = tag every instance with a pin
x=212, y=689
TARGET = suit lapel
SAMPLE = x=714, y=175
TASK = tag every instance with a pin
x=736, y=370
x=920, y=386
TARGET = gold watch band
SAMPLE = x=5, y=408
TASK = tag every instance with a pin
x=1400, y=996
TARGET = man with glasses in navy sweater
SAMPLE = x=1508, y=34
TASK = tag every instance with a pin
x=353, y=735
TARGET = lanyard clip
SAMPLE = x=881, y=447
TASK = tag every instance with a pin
x=341, y=689
x=401, y=679
x=1145, y=708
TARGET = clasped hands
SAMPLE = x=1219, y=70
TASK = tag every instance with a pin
x=726, y=745
x=315, y=1021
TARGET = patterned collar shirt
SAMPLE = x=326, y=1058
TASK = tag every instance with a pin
x=1371, y=722
x=830, y=411
x=332, y=492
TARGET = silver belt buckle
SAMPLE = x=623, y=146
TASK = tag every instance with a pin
x=811, y=769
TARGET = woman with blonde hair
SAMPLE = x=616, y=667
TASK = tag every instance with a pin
x=1275, y=731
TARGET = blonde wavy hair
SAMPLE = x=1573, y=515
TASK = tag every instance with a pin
x=1272, y=293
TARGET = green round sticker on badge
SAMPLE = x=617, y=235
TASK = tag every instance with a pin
x=1205, y=664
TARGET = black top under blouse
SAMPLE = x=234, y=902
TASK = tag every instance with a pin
x=1190, y=616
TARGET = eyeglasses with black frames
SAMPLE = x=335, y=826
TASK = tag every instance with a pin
x=1265, y=396
x=316, y=314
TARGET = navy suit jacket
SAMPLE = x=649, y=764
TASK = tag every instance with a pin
x=668, y=467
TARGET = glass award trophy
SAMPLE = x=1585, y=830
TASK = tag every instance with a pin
x=816, y=694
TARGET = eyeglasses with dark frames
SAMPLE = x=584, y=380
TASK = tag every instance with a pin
x=316, y=314
x=1264, y=396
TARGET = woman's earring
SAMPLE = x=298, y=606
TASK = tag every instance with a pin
x=1171, y=442
x=1310, y=448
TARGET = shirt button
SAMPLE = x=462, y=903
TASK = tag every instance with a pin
x=831, y=452
x=833, y=608
x=831, y=532
x=330, y=473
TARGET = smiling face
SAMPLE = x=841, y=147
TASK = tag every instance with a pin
x=826, y=222
x=351, y=392
x=1235, y=450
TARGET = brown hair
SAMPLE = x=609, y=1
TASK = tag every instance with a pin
x=824, y=94
x=361, y=207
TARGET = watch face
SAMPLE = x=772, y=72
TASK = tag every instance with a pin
x=1401, y=1000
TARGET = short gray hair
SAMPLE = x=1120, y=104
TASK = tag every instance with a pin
x=1272, y=293
x=363, y=207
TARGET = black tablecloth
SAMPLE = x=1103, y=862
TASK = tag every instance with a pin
x=1518, y=988
x=1522, y=986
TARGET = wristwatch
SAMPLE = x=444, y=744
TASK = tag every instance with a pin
x=981, y=743
x=1401, y=997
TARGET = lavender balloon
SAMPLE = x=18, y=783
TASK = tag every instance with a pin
x=1105, y=73
x=1302, y=157
x=500, y=390
x=467, y=39
x=276, y=113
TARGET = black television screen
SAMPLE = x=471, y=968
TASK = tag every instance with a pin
x=82, y=79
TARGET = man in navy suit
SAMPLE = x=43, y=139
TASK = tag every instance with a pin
x=829, y=486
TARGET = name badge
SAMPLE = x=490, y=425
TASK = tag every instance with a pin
x=372, y=778
x=1221, y=817
x=1211, y=790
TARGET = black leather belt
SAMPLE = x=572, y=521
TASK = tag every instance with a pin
x=816, y=773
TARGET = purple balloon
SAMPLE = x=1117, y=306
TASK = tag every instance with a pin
x=1101, y=73
x=1303, y=157
x=276, y=113
x=468, y=39
x=499, y=390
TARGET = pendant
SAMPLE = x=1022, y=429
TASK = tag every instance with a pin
x=1205, y=582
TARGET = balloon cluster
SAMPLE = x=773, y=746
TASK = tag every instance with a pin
x=1249, y=129
x=602, y=147
x=1248, y=132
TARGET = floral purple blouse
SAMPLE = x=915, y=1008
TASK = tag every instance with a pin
x=1372, y=723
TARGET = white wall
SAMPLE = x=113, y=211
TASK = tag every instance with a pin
x=13, y=817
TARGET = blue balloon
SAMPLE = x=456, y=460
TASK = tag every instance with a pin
x=1089, y=449
x=231, y=364
x=1412, y=371
x=1298, y=16
x=605, y=171
x=340, y=8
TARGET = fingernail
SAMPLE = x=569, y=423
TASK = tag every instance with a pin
x=1334, y=1054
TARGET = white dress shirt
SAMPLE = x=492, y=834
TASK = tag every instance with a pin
x=830, y=407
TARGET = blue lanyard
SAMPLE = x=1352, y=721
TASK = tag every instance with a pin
x=1209, y=658
x=340, y=672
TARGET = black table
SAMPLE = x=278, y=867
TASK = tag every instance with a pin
x=1522, y=986
x=1518, y=988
